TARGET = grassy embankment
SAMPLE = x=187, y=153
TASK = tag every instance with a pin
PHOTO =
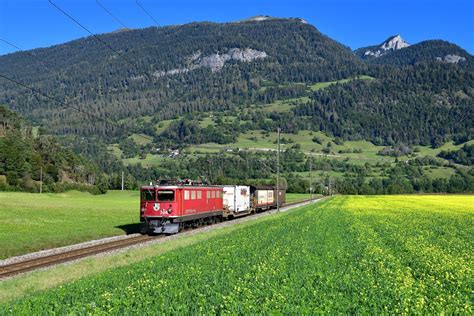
x=377, y=254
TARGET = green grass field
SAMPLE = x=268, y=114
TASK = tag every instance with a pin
x=31, y=222
x=115, y=150
x=148, y=162
x=258, y=140
x=161, y=126
x=141, y=139
x=350, y=254
x=322, y=85
x=285, y=105
x=293, y=197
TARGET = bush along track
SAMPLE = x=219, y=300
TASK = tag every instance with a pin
x=396, y=254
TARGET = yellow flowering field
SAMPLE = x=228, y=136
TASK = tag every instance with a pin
x=350, y=254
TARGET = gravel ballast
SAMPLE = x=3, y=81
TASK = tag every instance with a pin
x=45, y=253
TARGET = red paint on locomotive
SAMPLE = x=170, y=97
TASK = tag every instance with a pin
x=180, y=203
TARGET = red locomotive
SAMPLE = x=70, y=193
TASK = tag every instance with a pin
x=172, y=205
x=168, y=207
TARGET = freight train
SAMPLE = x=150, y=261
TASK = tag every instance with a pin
x=170, y=206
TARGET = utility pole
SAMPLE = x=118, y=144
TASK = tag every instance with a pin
x=122, y=180
x=278, y=172
x=311, y=178
x=41, y=179
x=330, y=186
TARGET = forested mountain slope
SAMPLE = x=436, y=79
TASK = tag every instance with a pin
x=372, y=126
x=164, y=73
x=427, y=104
x=171, y=70
x=428, y=52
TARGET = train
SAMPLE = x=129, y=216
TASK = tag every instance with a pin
x=170, y=206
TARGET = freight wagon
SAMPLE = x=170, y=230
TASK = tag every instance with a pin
x=265, y=197
x=236, y=200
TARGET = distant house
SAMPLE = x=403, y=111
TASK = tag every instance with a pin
x=174, y=153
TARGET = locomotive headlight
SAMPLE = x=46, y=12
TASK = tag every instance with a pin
x=170, y=210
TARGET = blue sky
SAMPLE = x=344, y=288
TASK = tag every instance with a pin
x=35, y=23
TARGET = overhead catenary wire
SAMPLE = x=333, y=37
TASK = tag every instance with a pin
x=12, y=45
x=56, y=100
x=95, y=36
x=38, y=92
x=27, y=52
x=147, y=13
x=112, y=15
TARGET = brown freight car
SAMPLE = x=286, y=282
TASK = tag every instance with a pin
x=265, y=197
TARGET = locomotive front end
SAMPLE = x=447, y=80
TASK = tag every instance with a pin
x=158, y=207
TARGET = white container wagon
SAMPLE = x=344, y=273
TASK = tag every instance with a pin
x=237, y=200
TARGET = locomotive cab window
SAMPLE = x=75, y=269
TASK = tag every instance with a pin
x=148, y=195
x=165, y=195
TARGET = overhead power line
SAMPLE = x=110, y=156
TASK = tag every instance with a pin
x=27, y=52
x=67, y=105
x=76, y=21
x=12, y=45
x=55, y=100
x=147, y=13
x=90, y=32
x=110, y=13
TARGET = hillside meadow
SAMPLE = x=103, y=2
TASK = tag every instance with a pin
x=349, y=254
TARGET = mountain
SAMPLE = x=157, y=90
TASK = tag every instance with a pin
x=428, y=51
x=396, y=51
x=267, y=17
x=153, y=103
x=169, y=71
x=242, y=69
x=393, y=43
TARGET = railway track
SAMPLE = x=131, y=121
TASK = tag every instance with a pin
x=27, y=265
x=40, y=262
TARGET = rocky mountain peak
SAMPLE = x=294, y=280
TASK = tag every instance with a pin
x=392, y=43
x=259, y=18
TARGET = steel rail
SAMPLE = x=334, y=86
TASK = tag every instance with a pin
x=27, y=265
x=40, y=262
